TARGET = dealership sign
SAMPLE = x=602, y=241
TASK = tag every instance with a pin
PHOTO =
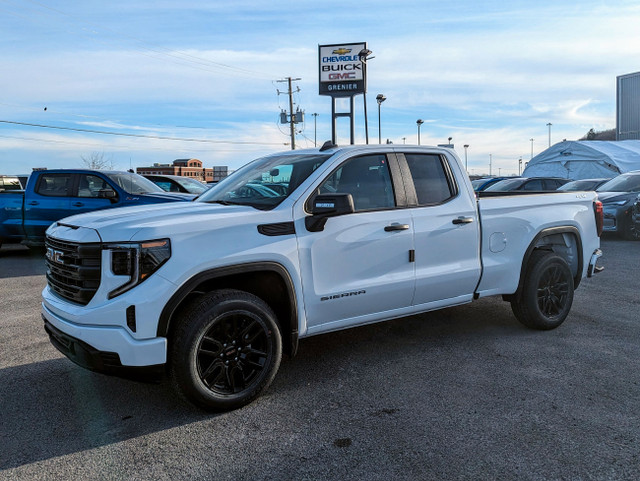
x=342, y=72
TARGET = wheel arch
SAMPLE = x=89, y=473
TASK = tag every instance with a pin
x=564, y=241
x=269, y=281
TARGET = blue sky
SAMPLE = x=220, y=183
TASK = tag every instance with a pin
x=488, y=74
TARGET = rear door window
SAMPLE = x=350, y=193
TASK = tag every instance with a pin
x=432, y=178
x=55, y=185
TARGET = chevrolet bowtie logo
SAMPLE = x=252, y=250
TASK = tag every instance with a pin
x=341, y=51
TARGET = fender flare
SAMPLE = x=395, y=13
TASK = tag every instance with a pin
x=567, y=229
x=187, y=288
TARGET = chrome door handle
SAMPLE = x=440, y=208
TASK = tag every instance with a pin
x=394, y=227
x=462, y=220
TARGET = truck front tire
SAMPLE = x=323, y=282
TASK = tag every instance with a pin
x=225, y=350
x=545, y=298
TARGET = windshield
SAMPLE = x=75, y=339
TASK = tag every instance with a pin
x=191, y=185
x=134, y=183
x=622, y=183
x=265, y=182
x=505, y=185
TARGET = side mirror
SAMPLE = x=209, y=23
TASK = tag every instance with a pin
x=325, y=206
x=108, y=194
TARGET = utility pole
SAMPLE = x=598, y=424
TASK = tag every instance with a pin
x=292, y=118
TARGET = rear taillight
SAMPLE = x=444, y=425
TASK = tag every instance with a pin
x=597, y=210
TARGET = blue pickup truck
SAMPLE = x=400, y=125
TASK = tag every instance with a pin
x=51, y=195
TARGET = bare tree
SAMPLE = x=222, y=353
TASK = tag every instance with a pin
x=98, y=161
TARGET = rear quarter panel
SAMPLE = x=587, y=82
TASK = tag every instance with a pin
x=511, y=223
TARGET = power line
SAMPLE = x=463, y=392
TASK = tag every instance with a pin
x=117, y=147
x=157, y=137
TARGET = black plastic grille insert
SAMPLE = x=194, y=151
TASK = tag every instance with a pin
x=73, y=269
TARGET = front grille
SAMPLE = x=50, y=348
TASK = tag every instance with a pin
x=73, y=269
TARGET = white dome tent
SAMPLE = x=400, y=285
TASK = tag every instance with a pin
x=585, y=159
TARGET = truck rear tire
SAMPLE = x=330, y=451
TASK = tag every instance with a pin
x=225, y=350
x=545, y=298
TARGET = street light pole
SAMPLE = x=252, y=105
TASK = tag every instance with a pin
x=466, y=164
x=531, y=148
x=519, y=165
x=364, y=56
x=380, y=98
x=315, y=131
x=549, y=125
x=419, y=122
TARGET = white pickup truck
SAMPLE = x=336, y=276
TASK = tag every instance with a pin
x=302, y=243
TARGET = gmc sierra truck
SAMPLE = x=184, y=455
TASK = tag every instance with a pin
x=213, y=292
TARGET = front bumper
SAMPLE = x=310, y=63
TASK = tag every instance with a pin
x=613, y=217
x=103, y=362
x=108, y=339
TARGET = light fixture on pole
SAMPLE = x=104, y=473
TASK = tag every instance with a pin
x=419, y=122
x=380, y=98
x=549, y=125
x=364, y=57
x=466, y=164
x=519, y=165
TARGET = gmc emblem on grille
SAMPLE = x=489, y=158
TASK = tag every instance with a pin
x=55, y=256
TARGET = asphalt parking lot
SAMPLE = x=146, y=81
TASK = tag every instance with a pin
x=462, y=393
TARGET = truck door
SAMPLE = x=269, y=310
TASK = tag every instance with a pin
x=48, y=202
x=447, y=253
x=358, y=266
x=93, y=193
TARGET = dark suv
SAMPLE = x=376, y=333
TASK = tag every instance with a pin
x=618, y=197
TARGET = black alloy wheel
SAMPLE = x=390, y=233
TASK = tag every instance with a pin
x=232, y=354
x=546, y=295
x=225, y=350
x=553, y=289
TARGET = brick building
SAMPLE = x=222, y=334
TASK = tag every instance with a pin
x=187, y=168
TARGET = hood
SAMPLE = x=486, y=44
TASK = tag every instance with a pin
x=147, y=222
x=606, y=197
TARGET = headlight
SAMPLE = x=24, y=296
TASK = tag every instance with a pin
x=137, y=261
